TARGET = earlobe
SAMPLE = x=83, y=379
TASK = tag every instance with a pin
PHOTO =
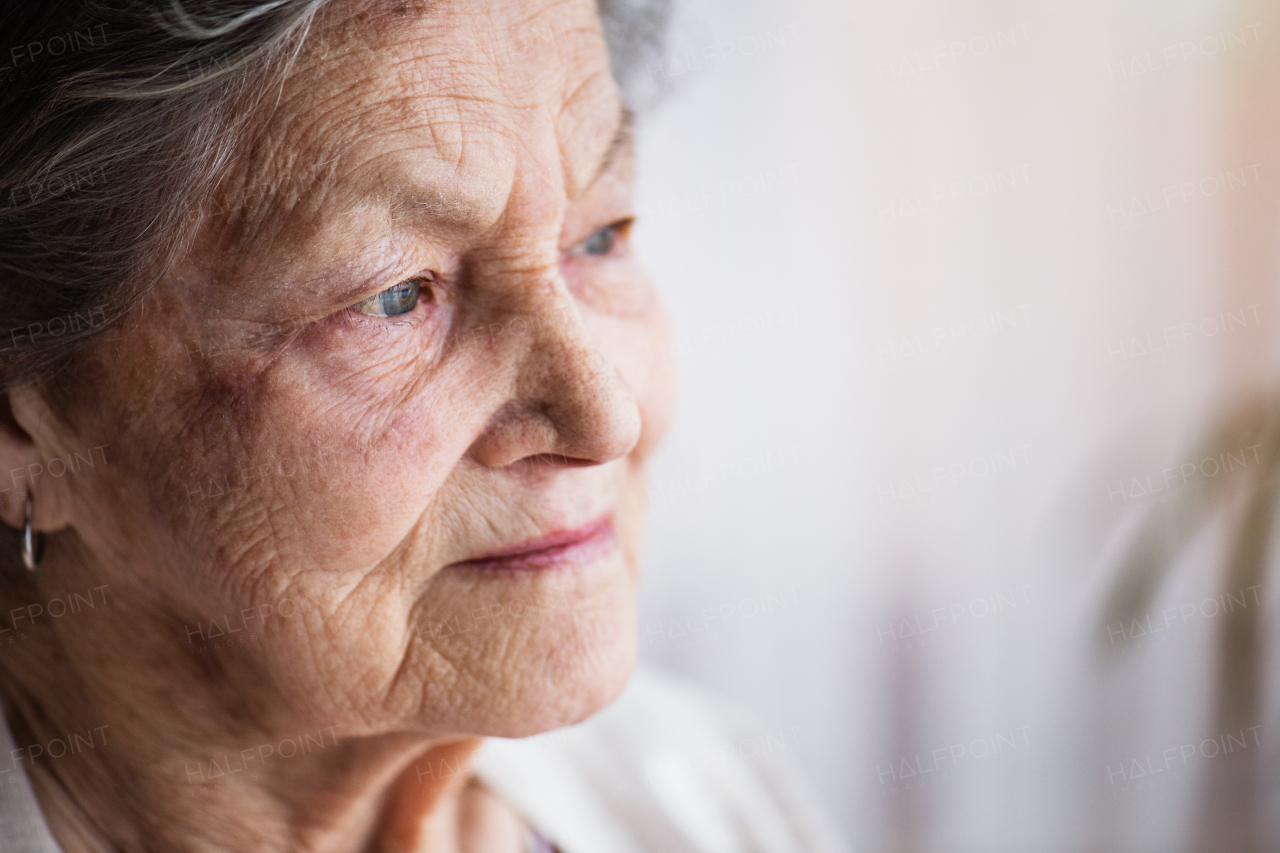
x=26, y=437
x=16, y=449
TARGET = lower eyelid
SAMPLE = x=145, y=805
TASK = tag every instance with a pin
x=353, y=318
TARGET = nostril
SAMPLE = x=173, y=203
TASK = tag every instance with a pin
x=547, y=462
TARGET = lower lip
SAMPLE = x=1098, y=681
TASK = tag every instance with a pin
x=571, y=548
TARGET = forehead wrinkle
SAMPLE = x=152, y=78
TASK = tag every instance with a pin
x=298, y=157
x=462, y=97
x=472, y=190
x=290, y=185
x=291, y=165
x=316, y=175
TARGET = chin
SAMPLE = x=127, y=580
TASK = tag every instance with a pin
x=573, y=679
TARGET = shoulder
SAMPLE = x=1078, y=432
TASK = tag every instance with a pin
x=667, y=767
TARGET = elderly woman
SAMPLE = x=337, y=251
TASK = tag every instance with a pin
x=329, y=391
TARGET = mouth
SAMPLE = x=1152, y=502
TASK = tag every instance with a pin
x=556, y=550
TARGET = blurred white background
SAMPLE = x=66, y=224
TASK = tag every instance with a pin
x=948, y=278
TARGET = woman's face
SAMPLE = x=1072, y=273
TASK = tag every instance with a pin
x=301, y=448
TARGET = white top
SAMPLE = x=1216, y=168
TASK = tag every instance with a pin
x=665, y=769
x=22, y=826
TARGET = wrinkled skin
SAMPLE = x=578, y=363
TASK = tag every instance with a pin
x=278, y=462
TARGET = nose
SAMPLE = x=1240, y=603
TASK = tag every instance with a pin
x=570, y=406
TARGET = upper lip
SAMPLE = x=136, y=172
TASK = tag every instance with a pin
x=552, y=541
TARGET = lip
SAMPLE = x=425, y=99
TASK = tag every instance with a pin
x=555, y=550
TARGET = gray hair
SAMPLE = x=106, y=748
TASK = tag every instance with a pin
x=120, y=121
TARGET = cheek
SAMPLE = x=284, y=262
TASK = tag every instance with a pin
x=384, y=440
x=318, y=467
x=332, y=472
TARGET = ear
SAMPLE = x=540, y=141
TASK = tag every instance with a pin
x=30, y=440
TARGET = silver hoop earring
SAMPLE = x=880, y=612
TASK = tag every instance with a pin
x=32, y=542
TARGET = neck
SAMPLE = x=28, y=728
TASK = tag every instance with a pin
x=119, y=791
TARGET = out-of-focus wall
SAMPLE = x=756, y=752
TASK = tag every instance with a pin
x=954, y=285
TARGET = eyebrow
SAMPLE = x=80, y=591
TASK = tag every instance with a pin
x=440, y=207
x=623, y=140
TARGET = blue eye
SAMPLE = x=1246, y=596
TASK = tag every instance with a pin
x=606, y=239
x=391, y=302
x=601, y=242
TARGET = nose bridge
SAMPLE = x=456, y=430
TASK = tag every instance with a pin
x=566, y=377
x=567, y=400
x=538, y=196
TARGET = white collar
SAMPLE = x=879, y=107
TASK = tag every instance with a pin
x=22, y=824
